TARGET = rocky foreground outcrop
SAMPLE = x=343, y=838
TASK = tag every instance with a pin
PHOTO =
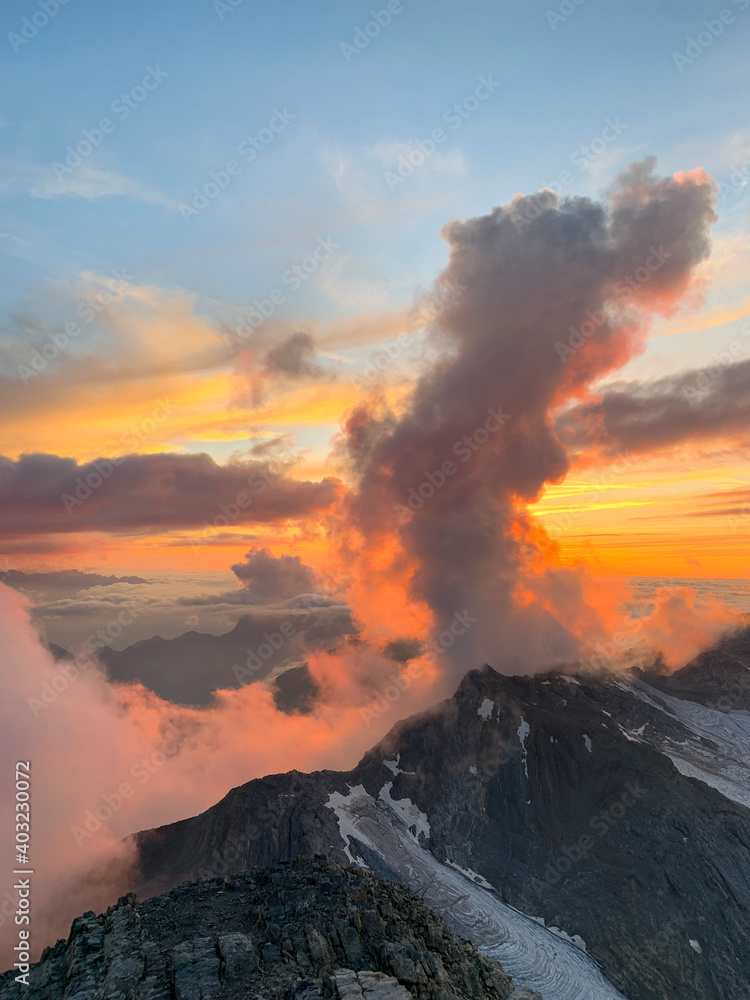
x=303, y=931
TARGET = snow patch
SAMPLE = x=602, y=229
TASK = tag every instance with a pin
x=695, y=946
x=485, y=709
x=416, y=821
x=523, y=731
x=472, y=876
x=576, y=939
x=392, y=765
x=629, y=736
x=587, y=741
x=718, y=752
x=472, y=769
x=339, y=804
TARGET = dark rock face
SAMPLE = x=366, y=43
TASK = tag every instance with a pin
x=307, y=931
x=295, y=690
x=190, y=667
x=561, y=793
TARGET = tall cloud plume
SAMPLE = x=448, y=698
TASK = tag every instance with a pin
x=439, y=513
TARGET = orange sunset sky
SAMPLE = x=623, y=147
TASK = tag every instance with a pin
x=162, y=378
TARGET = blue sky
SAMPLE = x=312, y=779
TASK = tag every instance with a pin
x=306, y=133
x=324, y=173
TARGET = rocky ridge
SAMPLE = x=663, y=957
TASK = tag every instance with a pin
x=311, y=930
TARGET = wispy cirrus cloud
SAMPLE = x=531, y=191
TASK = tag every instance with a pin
x=93, y=184
x=86, y=181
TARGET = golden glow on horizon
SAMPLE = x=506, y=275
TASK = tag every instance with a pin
x=657, y=518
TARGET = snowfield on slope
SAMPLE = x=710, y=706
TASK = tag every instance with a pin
x=724, y=766
x=534, y=957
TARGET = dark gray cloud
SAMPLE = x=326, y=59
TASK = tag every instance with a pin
x=696, y=405
x=76, y=608
x=265, y=374
x=293, y=357
x=403, y=650
x=135, y=494
x=528, y=278
x=59, y=582
x=264, y=579
x=267, y=578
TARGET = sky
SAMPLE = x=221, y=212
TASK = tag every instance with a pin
x=433, y=320
x=315, y=121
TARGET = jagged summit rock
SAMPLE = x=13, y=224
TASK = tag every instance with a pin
x=311, y=930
